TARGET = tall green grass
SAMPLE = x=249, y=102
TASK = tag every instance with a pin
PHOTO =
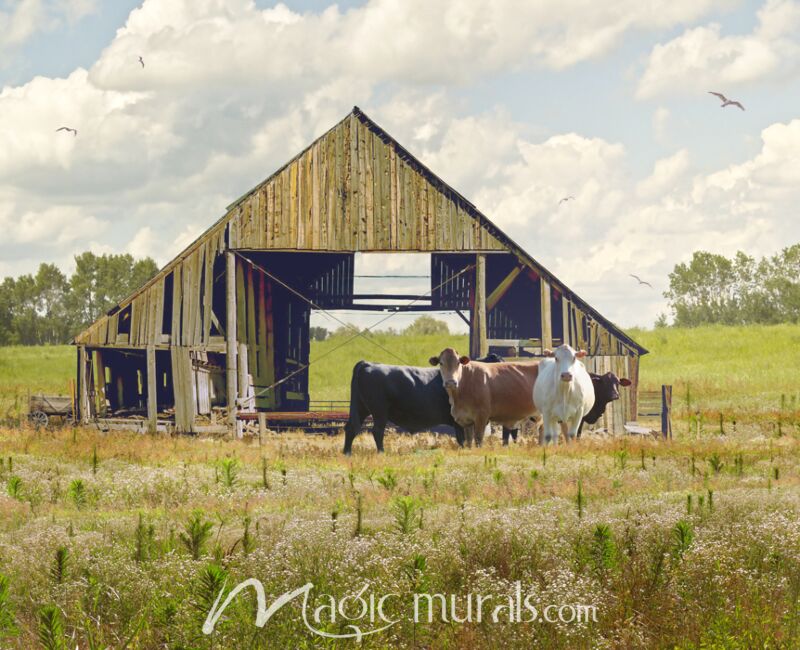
x=26, y=370
x=331, y=365
x=727, y=369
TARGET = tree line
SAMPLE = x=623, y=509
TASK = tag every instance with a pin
x=742, y=290
x=50, y=308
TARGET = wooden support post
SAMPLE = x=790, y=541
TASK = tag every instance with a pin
x=100, y=384
x=152, y=390
x=547, y=319
x=478, y=346
x=666, y=412
x=230, y=328
x=262, y=426
x=83, y=384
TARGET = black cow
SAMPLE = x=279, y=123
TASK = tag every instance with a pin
x=411, y=398
x=606, y=390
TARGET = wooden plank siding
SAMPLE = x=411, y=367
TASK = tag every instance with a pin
x=193, y=284
x=353, y=191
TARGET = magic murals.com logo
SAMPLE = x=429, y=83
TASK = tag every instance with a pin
x=363, y=613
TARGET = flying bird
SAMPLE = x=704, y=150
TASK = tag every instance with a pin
x=639, y=280
x=725, y=100
x=141, y=60
x=66, y=128
x=566, y=198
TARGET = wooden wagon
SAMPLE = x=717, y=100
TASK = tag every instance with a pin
x=42, y=407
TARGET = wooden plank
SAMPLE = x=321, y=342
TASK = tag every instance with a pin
x=288, y=232
x=252, y=336
x=565, y=308
x=230, y=326
x=351, y=184
x=208, y=293
x=266, y=373
x=335, y=234
x=100, y=383
x=182, y=389
x=378, y=200
x=501, y=289
x=316, y=195
x=547, y=322
x=369, y=186
x=393, y=198
x=177, y=302
x=202, y=379
x=269, y=214
x=197, y=292
x=294, y=173
x=325, y=197
x=363, y=239
x=152, y=390
x=301, y=202
x=478, y=345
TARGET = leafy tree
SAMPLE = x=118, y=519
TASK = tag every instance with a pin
x=49, y=308
x=318, y=333
x=426, y=325
x=741, y=290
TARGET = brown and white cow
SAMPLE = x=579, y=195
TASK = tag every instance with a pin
x=483, y=392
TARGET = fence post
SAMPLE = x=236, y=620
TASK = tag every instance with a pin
x=666, y=411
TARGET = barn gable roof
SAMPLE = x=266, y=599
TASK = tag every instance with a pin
x=332, y=171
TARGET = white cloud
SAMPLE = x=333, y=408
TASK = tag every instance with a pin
x=21, y=19
x=619, y=225
x=666, y=173
x=660, y=123
x=414, y=41
x=703, y=59
x=51, y=226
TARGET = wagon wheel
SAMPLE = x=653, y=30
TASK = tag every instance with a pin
x=39, y=418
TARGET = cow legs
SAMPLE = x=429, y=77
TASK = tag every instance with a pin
x=550, y=430
x=469, y=433
x=353, y=426
x=377, y=433
x=479, y=428
x=509, y=433
x=459, y=434
x=570, y=428
x=351, y=430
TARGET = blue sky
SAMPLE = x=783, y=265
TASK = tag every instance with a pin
x=515, y=104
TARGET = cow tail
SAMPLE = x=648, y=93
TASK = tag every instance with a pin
x=355, y=397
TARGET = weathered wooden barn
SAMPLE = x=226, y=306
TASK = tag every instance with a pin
x=224, y=328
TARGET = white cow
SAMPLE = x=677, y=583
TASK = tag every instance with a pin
x=563, y=392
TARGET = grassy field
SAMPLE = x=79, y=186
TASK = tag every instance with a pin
x=125, y=541
x=739, y=371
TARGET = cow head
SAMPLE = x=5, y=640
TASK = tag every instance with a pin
x=450, y=366
x=565, y=358
x=606, y=387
